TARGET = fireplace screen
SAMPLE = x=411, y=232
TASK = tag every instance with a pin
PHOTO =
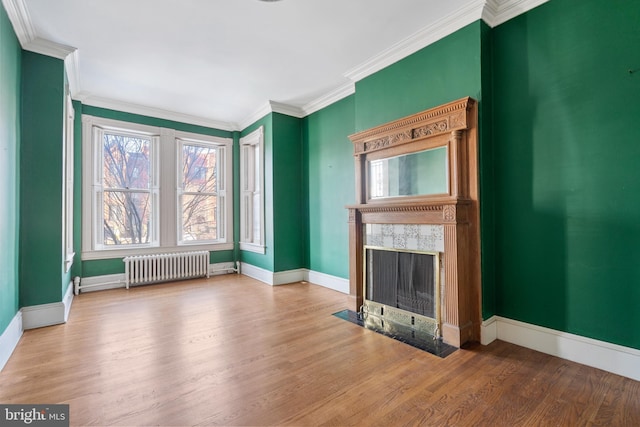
x=404, y=280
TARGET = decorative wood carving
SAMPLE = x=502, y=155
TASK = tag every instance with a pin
x=453, y=125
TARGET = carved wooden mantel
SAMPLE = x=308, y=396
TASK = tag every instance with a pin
x=453, y=125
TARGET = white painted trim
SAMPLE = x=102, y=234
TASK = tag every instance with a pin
x=67, y=300
x=38, y=316
x=329, y=98
x=609, y=357
x=101, y=283
x=72, y=66
x=497, y=12
x=460, y=18
x=18, y=14
x=257, y=273
x=328, y=281
x=289, y=110
x=270, y=107
x=289, y=276
x=158, y=113
x=221, y=268
x=9, y=339
x=259, y=113
x=49, y=48
x=488, y=331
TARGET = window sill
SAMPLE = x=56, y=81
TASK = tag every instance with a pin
x=252, y=247
x=121, y=253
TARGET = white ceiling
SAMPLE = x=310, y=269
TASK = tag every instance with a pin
x=222, y=60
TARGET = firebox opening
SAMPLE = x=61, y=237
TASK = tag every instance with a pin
x=402, y=286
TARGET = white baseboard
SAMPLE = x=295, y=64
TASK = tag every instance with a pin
x=39, y=316
x=609, y=357
x=68, y=300
x=101, y=283
x=265, y=276
x=328, y=281
x=115, y=281
x=10, y=338
x=221, y=268
x=291, y=276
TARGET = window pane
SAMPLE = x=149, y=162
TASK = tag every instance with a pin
x=126, y=161
x=126, y=218
x=199, y=217
x=199, y=169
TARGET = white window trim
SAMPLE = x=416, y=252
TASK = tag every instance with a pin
x=225, y=184
x=166, y=225
x=67, y=198
x=248, y=242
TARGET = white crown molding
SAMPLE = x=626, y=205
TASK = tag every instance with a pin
x=500, y=11
x=71, y=64
x=159, y=113
x=609, y=357
x=327, y=99
x=289, y=110
x=49, y=48
x=9, y=339
x=262, y=111
x=467, y=14
x=21, y=20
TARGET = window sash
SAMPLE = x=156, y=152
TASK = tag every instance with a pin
x=252, y=192
x=101, y=188
x=185, y=237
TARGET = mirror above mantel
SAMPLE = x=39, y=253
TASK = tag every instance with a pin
x=423, y=170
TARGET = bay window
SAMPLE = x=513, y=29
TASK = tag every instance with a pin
x=148, y=189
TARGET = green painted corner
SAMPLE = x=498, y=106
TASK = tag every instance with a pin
x=42, y=113
x=330, y=186
x=10, y=83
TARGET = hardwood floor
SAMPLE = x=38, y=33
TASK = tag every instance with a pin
x=232, y=351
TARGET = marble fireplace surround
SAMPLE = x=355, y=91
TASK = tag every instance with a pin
x=453, y=218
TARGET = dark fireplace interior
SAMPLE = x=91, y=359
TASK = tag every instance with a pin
x=404, y=280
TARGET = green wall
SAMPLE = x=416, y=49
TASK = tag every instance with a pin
x=566, y=168
x=116, y=266
x=288, y=223
x=330, y=186
x=285, y=233
x=447, y=70
x=41, y=254
x=10, y=65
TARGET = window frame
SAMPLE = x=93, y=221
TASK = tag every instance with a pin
x=166, y=217
x=250, y=185
x=225, y=176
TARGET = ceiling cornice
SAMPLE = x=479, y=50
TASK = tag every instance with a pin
x=21, y=20
x=493, y=12
x=451, y=23
x=497, y=12
x=337, y=94
x=289, y=110
x=159, y=113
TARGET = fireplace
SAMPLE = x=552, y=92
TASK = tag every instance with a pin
x=414, y=238
x=403, y=286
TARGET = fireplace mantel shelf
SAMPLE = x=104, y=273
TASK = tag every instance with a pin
x=442, y=211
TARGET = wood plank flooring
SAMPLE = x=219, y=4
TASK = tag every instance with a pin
x=232, y=351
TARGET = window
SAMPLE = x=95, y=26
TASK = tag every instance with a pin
x=201, y=191
x=126, y=190
x=149, y=189
x=252, y=192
